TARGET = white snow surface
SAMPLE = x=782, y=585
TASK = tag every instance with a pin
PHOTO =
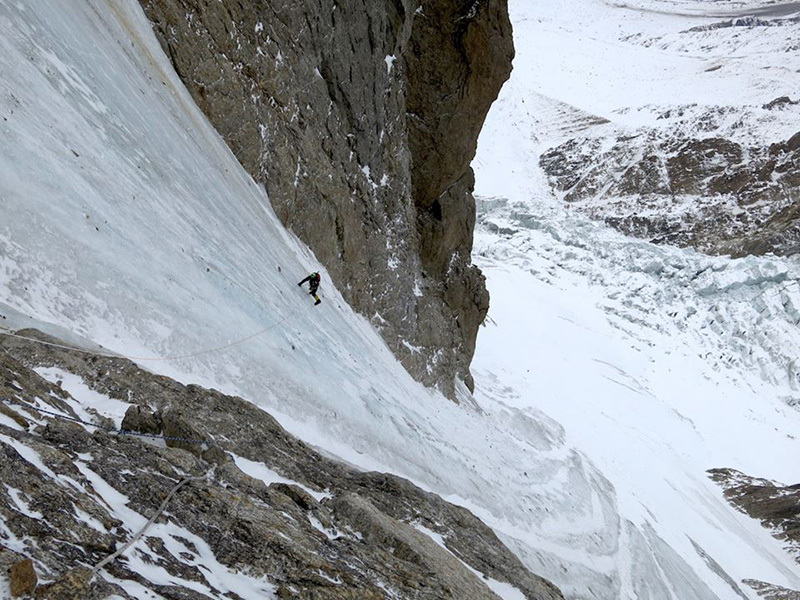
x=629, y=61
x=127, y=222
x=85, y=397
x=259, y=470
x=655, y=363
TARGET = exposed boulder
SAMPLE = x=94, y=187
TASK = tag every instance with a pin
x=361, y=119
x=23, y=578
x=781, y=102
x=77, y=583
x=141, y=420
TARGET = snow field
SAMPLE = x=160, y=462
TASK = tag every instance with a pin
x=656, y=363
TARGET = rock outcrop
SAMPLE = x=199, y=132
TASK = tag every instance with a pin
x=770, y=591
x=293, y=523
x=777, y=506
x=361, y=119
x=23, y=578
x=712, y=193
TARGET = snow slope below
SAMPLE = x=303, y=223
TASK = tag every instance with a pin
x=127, y=222
x=658, y=363
x=651, y=359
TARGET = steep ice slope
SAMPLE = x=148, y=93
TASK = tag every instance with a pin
x=658, y=363
x=126, y=221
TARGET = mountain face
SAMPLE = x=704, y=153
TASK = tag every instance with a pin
x=777, y=506
x=611, y=374
x=128, y=221
x=701, y=146
x=361, y=119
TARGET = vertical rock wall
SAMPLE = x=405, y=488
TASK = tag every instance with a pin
x=361, y=119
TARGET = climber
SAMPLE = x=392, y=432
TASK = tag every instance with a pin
x=313, y=283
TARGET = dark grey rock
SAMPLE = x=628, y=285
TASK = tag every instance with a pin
x=776, y=506
x=407, y=545
x=770, y=591
x=141, y=420
x=780, y=102
x=357, y=541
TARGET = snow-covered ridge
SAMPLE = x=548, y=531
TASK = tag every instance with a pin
x=717, y=9
x=631, y=65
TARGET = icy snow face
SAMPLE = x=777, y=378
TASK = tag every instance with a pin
x=659, y=364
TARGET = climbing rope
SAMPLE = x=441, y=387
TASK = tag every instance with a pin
x=142, y=531
x=128, y=432
x=10, y=333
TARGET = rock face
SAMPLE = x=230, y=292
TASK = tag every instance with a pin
x=713, y=194
x=777, y=506
x=23, y=578
x=299, y=525
x=771, y=591
x=361, y=119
